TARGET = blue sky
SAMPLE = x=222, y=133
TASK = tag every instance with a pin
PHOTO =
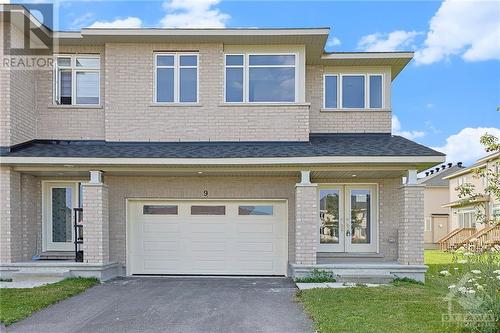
x=444, y=99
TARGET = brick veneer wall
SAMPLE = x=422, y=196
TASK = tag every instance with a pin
x=347, y=121
x=411, y=225
x=96, y=223
x=131, y=115
x=10, y=216
x=306, y=224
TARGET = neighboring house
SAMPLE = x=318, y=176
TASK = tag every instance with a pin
x=210, y=151
x=436, y=194
x=464, y=215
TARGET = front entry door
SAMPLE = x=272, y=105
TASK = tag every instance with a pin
x=348, y=218
x=60, y=200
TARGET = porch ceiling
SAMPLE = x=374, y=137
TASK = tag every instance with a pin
x=346, y=172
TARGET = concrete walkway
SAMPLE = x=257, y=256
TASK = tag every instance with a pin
x=163, y=304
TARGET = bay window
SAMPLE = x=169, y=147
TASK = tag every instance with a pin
x=353, y=91
x=260, y=78
x=77, y=80
x=176, y=78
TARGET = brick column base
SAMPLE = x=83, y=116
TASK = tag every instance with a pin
x=411, y=225
x=95, y=223
x=306, y=220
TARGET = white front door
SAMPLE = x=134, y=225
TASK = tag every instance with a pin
x=59, y=201
x=348, y=218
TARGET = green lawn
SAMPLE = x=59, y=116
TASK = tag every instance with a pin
x=401, y=307
x=17, y=304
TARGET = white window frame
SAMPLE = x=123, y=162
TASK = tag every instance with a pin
x=56, y=77
x=340, y=79
x=324, y=91
x=428, y=224
x=177, y=77
x=472, y=221
x=246, y=75
x=347, y=247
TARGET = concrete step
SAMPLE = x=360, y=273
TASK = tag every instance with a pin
x=372, y=278
x=57, y=255
x=31, y=275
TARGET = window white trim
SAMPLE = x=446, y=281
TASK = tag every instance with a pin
x=382, y=91
x=340, y=78
x=346, y=246
x=246, y=76
x=324, y=91
x=177, y=77
x=56, y=77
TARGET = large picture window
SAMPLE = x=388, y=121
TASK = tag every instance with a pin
x=353, y=91
x=76, y=80
x=260, y=78
x=176, y=78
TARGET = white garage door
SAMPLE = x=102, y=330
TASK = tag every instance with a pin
x=207, y=237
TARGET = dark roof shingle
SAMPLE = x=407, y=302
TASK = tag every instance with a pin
x=318, y=145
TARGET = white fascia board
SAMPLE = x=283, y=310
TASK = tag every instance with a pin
x=367, y=55
x=223, y=161
x=202, y=32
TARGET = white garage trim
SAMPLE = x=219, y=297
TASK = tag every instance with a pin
x=282, y=266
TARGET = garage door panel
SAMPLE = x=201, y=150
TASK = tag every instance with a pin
x=160, y=245
x=160, y=227
x=228, y=244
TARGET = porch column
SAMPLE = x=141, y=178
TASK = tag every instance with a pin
x=411, y=225
x=306, y=219
x=95, y=220
x=10, y=215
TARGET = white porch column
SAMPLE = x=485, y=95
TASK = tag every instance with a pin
x=10, y=216
x=411, y=225
x=306, y=220
x=95, y=220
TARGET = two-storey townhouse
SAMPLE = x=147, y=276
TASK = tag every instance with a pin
x=209, y=151
x=463, y=212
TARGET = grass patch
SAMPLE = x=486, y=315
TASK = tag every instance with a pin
x=17, y=304
x=436, y=257
x=404, y=306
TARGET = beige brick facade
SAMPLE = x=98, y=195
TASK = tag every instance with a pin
x=11, y=228
x=411, y=228
x=306, y=224
x=95, y=223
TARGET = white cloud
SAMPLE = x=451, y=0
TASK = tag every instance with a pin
x=470, y=29
x=129, y=22
x=193, y=14
x=393, y=41
x=429, y=105
x=81, y=20
x=411, y=135
x=465, y=146
x=332, y=42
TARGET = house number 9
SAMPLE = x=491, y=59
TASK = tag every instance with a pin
x=205, y=193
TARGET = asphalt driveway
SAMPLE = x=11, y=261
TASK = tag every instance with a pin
x=176, y=304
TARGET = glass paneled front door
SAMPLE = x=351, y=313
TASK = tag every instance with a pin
x=348, y=218
x=60, y=199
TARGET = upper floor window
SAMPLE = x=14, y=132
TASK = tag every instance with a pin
x=260, y=78
x=353, y=91
x=76, y=80
x=176, y=78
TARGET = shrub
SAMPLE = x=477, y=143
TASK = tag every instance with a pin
x=317, y=276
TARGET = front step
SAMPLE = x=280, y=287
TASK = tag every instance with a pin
x=57, y=255
x=364, y=278
x=48, y=277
